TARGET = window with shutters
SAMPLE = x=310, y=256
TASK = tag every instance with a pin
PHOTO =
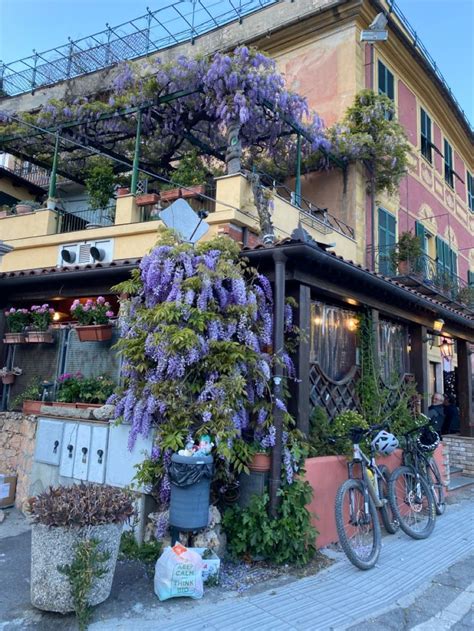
x=446, y=264
x=425, y=127
x=386, y=85
x=470, y=191
x=387, y=234
x=448, y=164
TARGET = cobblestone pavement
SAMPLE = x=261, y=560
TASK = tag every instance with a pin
x=417, y=586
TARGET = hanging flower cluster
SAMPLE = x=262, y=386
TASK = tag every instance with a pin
x=242, y=87
x=195, y=337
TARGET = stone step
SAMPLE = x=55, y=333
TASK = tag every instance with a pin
x=460, y=481
x=453, y=469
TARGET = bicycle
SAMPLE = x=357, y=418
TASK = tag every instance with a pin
x=358, y=499
x=410, y=491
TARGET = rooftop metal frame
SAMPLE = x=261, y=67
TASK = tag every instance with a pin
x=173, y=24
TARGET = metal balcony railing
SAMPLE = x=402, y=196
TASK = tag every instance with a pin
x=71, y=221
x=425, y=274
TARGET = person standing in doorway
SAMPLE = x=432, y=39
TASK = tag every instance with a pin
x=436, y=412
x=451, y=416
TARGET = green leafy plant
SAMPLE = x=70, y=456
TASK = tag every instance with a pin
x=81, y=505
x=30, y=203
x=32, y=392
x=41, y=317
x=17, y=319
x=75, y=388
x=91, y=312
x=100, y=182
x=289, y=538
x=189, y=171
x=88, y=564
x=466, y=296
x=407, y=249
x=319, y=431
x=147, y=552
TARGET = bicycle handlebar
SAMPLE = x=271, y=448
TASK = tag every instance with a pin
x=417, y=429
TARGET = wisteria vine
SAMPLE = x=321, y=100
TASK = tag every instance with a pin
x=196, y=334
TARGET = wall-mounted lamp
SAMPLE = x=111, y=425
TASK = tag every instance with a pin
x=438, y=325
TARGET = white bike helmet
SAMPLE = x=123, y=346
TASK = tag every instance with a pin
x=385, y=443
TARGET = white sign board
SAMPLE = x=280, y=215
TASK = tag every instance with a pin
x=373, y=36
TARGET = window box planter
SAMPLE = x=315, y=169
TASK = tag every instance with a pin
x=94, y=332
x=39, y=337
x=14, y=338
x=23, y=209
x=122, y=191
x=147, y=199
x=33, y=407
x=260, y=462
x=85, y=406
x=174, y=193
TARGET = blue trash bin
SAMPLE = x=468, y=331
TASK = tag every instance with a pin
x=190, y=480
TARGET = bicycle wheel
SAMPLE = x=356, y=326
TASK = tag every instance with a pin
x=437, y=486
x=359, y=532
x=413, y=507
x=390, y=522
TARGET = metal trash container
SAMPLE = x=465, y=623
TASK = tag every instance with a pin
x=190, y=480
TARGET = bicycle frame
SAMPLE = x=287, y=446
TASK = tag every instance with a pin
x=373, y=488
x=411, y=458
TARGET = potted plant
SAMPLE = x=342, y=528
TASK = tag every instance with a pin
x=29, y=399
x=9, y=375
x=75, y=543
x=147, y=199
x=94, y=319
x=190, y=174
x=406, y=253
x=17, y=321
x=84, y=392
x=41, y=317
x=466, y=296
x=26, y=206
x=100, y=182
x=261, y=458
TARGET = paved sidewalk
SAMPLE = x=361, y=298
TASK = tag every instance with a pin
x=336, y=598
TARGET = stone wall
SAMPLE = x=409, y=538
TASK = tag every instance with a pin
x=17, y=446
x=461, y=452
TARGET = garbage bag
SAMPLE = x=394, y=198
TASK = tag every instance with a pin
x=190, y=470
x=178, y=572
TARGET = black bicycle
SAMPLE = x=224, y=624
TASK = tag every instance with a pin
x=413, y=487
x=357, y=501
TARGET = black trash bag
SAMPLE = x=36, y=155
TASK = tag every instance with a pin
x=183, y=474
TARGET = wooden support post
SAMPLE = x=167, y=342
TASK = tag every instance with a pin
x=302, y=359
x=465, y=389
x=419, y=362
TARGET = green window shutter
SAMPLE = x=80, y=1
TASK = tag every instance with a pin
x=448, y=163
x=382, y=78
x=470, y=278
x=425, y=133
x=420, y=230
x=470, y=191
x=390, y=89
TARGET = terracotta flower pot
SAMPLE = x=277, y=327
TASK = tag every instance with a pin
x=260, y=462
x=147, y=199
x=14, y=338
x=8, y=379
x=3, y=213
x=123, y=190
x=32, y=407
x=170, y=195
x=39, y=337
x=23, y=209
x=84, y=406
x=193, y=191
x=404, y=268
x=94, y=332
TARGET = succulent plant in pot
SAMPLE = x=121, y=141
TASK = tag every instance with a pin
x=75, y=542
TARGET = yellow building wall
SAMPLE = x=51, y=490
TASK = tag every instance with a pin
x=18, y=192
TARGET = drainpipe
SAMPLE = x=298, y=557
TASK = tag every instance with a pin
x=278, y=342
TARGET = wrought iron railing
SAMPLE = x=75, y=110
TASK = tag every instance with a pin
x=71, y=221
x=173, y=24
x=425, y=270
x=31, y=172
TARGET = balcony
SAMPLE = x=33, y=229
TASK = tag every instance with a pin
x=427, y=276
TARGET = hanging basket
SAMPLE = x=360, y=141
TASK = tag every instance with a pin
x=94, y=332
x=14, y=338
x=39, y=337
x=8, y=379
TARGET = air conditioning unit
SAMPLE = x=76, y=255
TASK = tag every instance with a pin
x=85, y=252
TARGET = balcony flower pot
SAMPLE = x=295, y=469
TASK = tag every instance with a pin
x=261, y=462
x=147, y=199
x=170, y=195
x=39, y=337
x=8, y=379
x=404, y=268
x=32, y=407
x=94, y=332
x=66, y=520
x=14, y=338
x=85, y=406
x=122, y=191
x=3, y=213
x=193, y=191
x=23, y=209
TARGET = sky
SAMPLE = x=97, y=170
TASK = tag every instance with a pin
x=446, y=27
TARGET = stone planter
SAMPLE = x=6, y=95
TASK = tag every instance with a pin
x=50, y=547
x=39, y=337
x=14, y=338
x=260, y=462
x=94, y=332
